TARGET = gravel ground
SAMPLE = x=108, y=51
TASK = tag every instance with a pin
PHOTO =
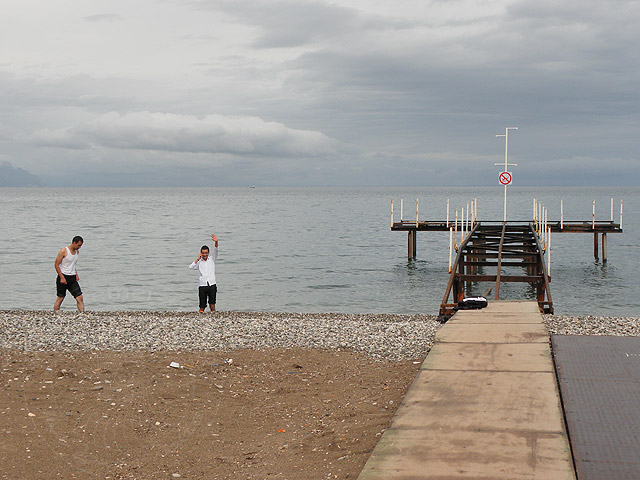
x=381, y=336
x=592, y=325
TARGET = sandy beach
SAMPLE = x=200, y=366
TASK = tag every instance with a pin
x=255, y=396
x=249, y=395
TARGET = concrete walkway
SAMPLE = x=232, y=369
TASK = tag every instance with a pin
x=485, y=405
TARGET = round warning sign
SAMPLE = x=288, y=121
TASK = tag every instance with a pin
x=505, y=178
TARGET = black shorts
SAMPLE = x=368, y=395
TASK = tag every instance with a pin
x=72, y=285
x=209, y=291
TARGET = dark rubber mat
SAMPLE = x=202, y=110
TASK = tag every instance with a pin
x=600, y=384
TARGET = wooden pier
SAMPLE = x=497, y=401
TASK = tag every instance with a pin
x=484, y=405
x=503, y=244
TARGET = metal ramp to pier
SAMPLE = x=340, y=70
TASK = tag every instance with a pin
x=599, y=378
x=485, y=405
x=501, y=246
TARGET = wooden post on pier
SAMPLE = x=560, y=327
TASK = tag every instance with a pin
x=412, y=244
x=415, y=244
x=604, y=247
x=595, y=245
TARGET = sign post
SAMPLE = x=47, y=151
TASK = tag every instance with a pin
x=505, y=177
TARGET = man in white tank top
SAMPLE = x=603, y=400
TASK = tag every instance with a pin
x=68, y=274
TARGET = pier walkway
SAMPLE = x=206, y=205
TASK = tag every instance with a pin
x=485, y=405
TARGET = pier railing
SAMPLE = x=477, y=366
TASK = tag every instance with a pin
x=501, y=244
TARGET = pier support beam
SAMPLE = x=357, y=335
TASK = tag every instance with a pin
x=412, y=243
x=604, y=248
x=595, y=245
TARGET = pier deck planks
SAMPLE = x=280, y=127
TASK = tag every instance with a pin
x=483, y=406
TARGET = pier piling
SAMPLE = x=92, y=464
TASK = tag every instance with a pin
x=412, y=244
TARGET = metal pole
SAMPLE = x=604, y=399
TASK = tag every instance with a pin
x=473, y=212
x=541, y=223
x=506, y=150
x=416, y=213
x=540, y=218
x=505, y=204
x=549, y=255
x=401, y=209
x=506, y=163
x=593, y=224
x=544, y=229
x=542, y=226
x=450, y=247
x=463, y=227
x=620, y=213
x=561, y=215
x=392, y=213
x=468, y=225
x=455, y=237
x=534, y=209
x=447, y=212
x=546, y=224
x=612, y=210
x=476, y=213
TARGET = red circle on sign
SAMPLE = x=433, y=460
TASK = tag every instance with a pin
x=505, y=178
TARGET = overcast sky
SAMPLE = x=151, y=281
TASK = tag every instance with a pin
x=341, y=92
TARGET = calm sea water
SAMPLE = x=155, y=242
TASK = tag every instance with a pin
x=293, y=249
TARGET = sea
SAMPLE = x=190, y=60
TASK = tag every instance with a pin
x=325, y=249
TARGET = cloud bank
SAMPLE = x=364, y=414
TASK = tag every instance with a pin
x=170, y=132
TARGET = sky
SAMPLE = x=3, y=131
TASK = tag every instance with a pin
x=319, y=93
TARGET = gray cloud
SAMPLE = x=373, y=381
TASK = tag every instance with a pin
x=104, y=17
x=288, y=23
x=188, y=134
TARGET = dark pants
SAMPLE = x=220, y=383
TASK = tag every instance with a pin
x=209, y=292
x=72, y=285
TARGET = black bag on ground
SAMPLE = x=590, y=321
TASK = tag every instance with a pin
x=472, y=303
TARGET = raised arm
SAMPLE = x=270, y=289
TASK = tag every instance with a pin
x=215, y=240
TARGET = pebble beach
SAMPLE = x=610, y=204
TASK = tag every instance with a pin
x=140, y=394
x=380, y=336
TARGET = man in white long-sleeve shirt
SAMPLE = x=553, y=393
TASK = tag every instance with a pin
x=206, y=265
